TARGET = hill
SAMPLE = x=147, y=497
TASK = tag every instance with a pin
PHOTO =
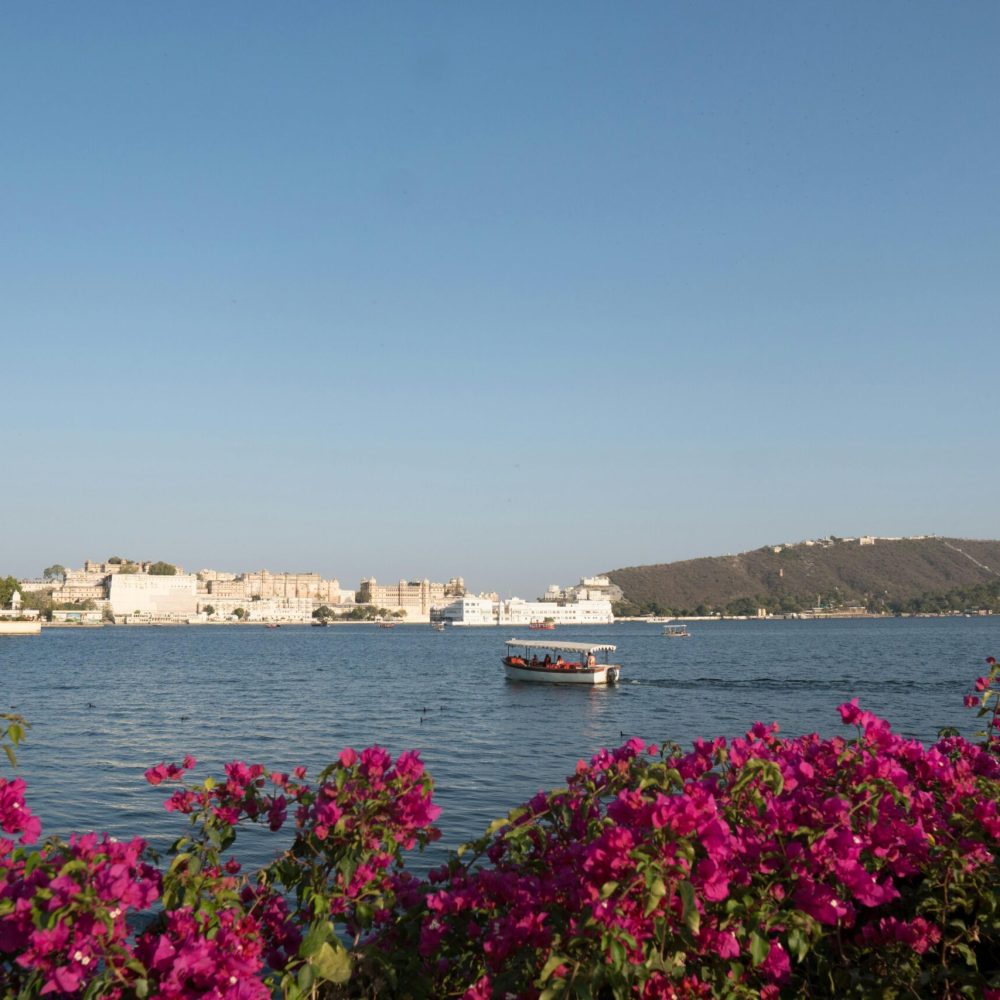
x=912, y=574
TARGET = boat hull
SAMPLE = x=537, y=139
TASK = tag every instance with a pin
x=603, y=674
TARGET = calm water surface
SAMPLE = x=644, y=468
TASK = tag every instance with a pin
x=107, y=703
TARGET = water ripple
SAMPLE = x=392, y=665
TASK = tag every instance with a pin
x=108, y=703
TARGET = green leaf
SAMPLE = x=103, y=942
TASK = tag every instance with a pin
x=690, y=914
x=607, y=889
x=10, y=755
x=760, y=947
x=333, y=964
x=305, y=978
x=315, y=938
x=798, y=944
x=551, y=965
x=617, y=954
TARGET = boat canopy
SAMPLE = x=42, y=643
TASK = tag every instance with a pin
x=566, y=647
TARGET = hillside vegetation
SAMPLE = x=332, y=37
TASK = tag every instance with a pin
x=913, y=574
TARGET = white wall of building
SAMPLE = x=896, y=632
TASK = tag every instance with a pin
x=483, y=611
x=518, y=612
x=157, y=595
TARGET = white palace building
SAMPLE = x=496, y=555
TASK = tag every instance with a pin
x=488, y=611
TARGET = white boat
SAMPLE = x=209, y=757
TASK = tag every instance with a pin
x=523, y=662
x=676, y=631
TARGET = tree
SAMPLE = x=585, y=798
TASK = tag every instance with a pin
x=743, y=607
x=115, y=560
x=323, y=613
x=54, y=572
x=162, y=569
x=240, y=613
x=38, y=600
x=7, y=587
x=208, y=609
x=129, y=567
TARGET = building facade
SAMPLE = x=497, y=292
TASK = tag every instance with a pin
x=590, y=588
x=415, y=598
x=478, y=611
x=133, y=594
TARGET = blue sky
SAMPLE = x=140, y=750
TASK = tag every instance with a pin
x=519, y=292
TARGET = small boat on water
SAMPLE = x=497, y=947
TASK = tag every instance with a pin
x=320, y=623
x=437, y=626
x=386, y=624
x=522, y=662
x=272, y=625
x=676, y=632
x=548, y=625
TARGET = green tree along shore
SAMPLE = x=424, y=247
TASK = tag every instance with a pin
x=919, y=575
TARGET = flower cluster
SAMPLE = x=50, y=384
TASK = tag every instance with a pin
x=64, y=911
x=762, y=865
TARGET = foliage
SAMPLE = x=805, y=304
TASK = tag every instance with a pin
x=861, y=866
x=240, y=613
x=162, y=569
x=323, y=613
x=129, y=567
x=54, y=572
x=116, y=560
x=369, y=613
x=7, y=587
x=209, y=609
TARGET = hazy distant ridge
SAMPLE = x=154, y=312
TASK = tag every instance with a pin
x=889, y=570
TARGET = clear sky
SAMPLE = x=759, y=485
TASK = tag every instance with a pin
x=517, y=291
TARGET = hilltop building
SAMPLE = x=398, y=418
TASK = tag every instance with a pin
x=590, y=588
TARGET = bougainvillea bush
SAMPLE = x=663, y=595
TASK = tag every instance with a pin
x=860, y=866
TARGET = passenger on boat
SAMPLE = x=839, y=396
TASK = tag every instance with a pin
x=591, y=661
x=559, y=662
x=534, y=659
x=547, y=662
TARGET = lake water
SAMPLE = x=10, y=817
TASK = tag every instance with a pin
x=107, y=703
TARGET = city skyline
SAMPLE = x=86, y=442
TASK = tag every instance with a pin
x=520, y=294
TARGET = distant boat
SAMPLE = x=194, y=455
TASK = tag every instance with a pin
x=386, y=624
x=676, y=632
x=272, y=625
x=548, y=625
x=437, y=626
x=320, y=623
